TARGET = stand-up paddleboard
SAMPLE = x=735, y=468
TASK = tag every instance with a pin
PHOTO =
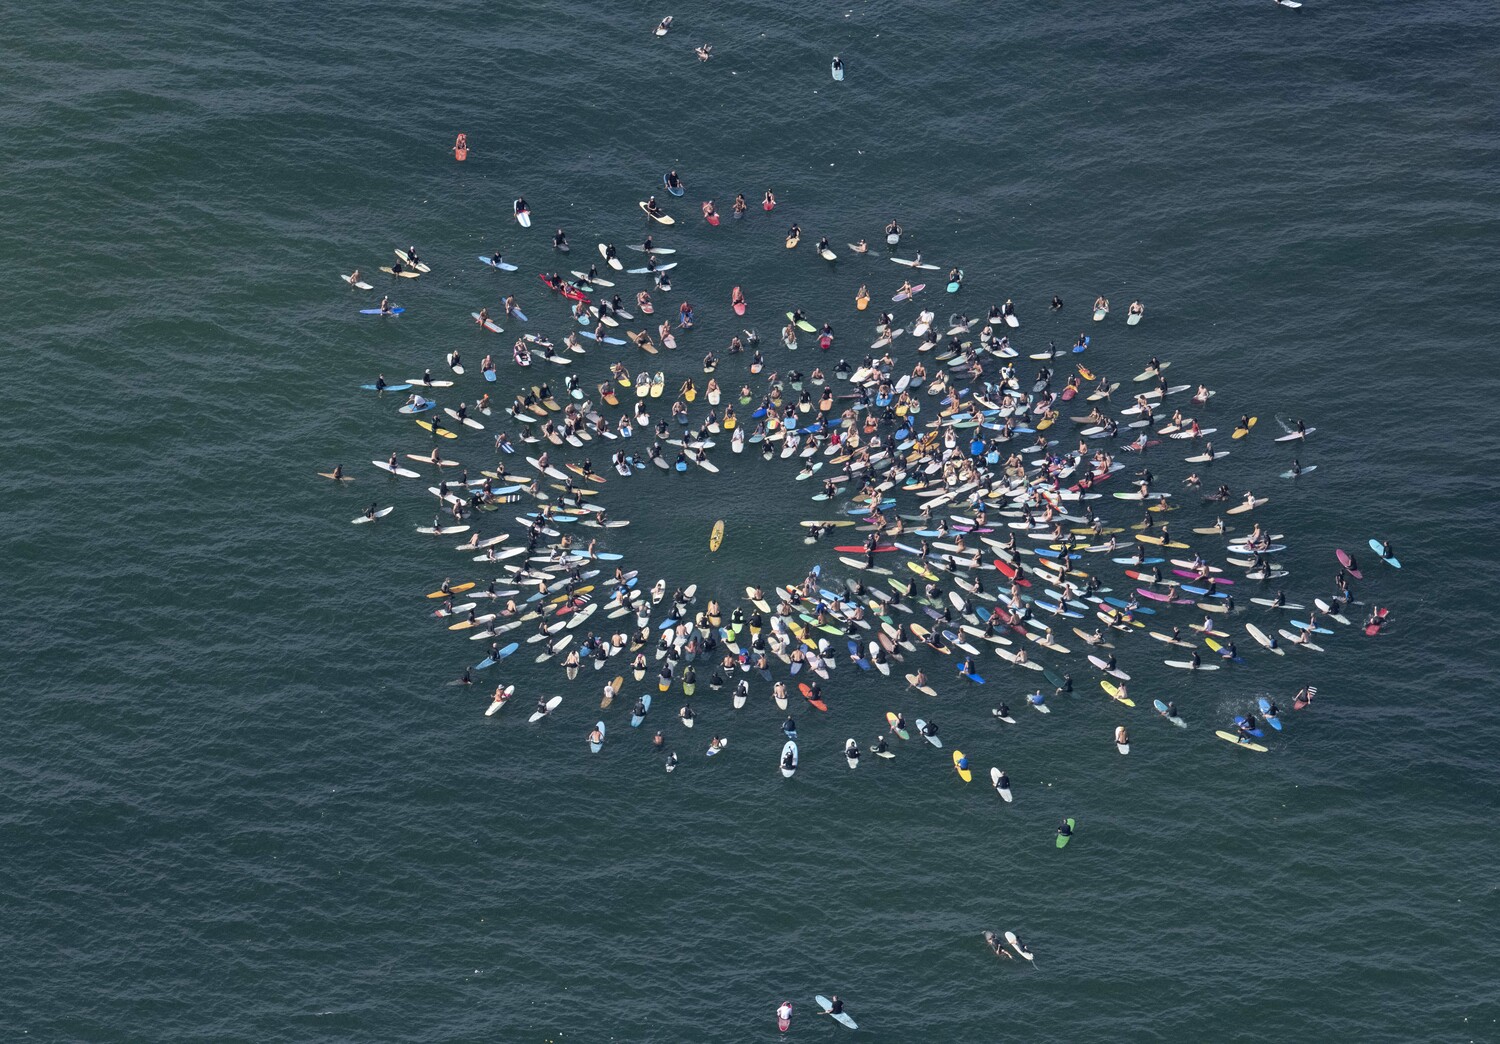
x=665, y=219
x=537, y=716
x=395, y=310
x=1229, y=737
x=379, y=514
x=361, y=285
x=1379, y=549
x=1004, y=792
x=598, y=745
x=827, y=1006
x=523, y=216
x=790, y=748
x=1063, y=839
x=960, y=766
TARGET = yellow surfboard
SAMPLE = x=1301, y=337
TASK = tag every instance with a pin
x=455, y=589
x=1240, y=433
x=444, y=432
x=716, y=537
x=963, y=773
x=1114, y=693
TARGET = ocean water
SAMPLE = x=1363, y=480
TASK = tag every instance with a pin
x=241, y=801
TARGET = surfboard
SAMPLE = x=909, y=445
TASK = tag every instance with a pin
x=504, y=266
x=790, y=747
x=1394, y=563
x=1004, y=793
x=523, y=216
x=665, y=219
x=963, y=773
x=594, y=746
x=890, y=717
x=1293, y=436
x=444, y=432
x=379, y=514
x=934, y=740
x=716, y=535
x=1063, y=839
x=1229, y=737
x=668, y=186
x=837, y=70
x=537, y=716
x=395, y=310
x=841, y=1017
x=362, y=285
x=403, y=472
x=1187, y=665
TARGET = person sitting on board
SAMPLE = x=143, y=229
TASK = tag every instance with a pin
x=497, y=258
x=795, y=232
x=835, y=1006
x=370, y=511
x=1101, y=304
x=1056, y=303
x=385, y=306
x=930, y=729
x=461, y=143
x=860, y=248
x=1002, y=782
x=893, y=229
x=353, y=278
x=559, y=240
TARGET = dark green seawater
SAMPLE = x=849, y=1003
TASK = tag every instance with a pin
x=240, y=803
